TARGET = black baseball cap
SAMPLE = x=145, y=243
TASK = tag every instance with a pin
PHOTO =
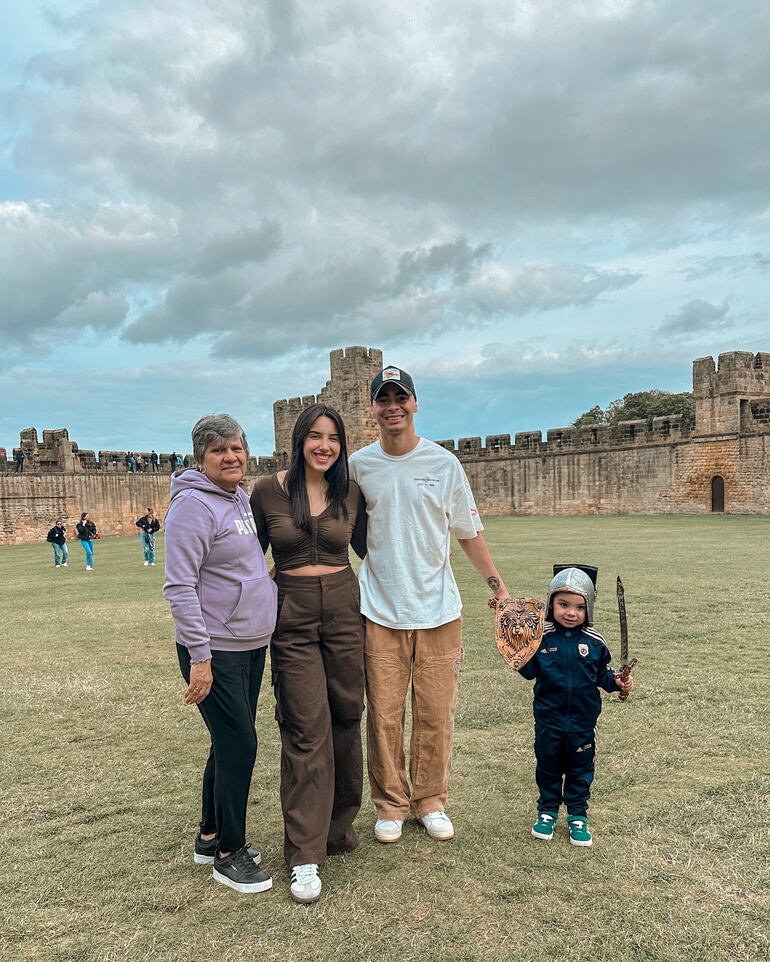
x=393, y=375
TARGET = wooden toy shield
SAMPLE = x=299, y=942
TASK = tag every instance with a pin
x=518, y=629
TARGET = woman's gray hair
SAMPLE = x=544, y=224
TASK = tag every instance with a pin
x=213, y=428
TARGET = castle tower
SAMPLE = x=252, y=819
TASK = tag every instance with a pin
x=730, y=396
x=347, y=390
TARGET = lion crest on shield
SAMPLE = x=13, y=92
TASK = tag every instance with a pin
x=518, y=628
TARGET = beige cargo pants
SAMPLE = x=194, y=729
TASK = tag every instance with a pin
x=430, y=658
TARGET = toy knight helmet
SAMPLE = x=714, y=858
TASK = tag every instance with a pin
x=577, y=579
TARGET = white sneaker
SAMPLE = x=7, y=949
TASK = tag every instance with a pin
x=388, y=829
x=146, y=564
x=89, y=568
x=439, y=826
x=305, y=883
x=152, y=564
x=64, y=564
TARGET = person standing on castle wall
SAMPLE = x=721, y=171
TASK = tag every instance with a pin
x=139, y=463
x=309, y=515
x=417, y=495
x=86, y=530
x=19, y=461
x=154, y=462
x=173, y=458
x=223, y=603
x=57, y=537
x=149, y=525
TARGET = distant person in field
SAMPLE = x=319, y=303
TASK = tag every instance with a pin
x=57, y=537
x=569, y=667
x=19, y=461
x=86, y=532
x=149, y=526
x=309, y=515
x=417, y=496
x=223, y=602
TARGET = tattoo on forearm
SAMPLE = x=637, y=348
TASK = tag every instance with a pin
x=494, y=583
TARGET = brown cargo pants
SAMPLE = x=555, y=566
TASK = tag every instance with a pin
x=317, y=659
x=431, y=658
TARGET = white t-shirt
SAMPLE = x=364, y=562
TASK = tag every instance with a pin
x=413, y=502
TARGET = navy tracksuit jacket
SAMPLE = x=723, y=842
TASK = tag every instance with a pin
x=569, y=668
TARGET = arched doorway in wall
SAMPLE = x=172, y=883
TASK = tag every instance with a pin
x=718, y=494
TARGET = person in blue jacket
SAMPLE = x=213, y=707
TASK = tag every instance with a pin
x=569, y=667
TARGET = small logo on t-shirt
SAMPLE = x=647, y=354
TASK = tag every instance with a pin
x=426, y=482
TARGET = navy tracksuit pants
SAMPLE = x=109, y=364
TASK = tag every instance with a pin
x=565, y=768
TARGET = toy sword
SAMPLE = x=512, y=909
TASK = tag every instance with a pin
x=625, y=663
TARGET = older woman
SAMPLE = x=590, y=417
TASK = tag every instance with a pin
x=310, y=514
x=223, y=603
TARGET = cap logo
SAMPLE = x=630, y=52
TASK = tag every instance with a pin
x=391, y=374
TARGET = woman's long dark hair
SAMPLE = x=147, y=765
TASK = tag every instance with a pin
x=336, y=477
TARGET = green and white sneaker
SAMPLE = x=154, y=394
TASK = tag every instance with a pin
x=543, y=827
x=579, y=832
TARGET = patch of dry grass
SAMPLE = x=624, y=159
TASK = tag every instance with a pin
x=101, y=767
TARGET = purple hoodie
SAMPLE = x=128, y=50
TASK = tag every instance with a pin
x=217, y=584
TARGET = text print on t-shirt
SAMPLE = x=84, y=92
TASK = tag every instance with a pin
x=247, y=526
x=426, y=482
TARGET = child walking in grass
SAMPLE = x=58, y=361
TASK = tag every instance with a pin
x=569, y=667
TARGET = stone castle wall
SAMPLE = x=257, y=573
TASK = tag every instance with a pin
x=723, y=463
x=31, y=503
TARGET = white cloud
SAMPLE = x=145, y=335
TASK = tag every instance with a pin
x=695, y=317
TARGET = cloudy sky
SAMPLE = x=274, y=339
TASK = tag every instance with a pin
x=533, y=207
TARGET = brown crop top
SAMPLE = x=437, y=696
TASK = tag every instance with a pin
x=293, y=547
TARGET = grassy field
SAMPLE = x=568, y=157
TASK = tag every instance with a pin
x=101, y=765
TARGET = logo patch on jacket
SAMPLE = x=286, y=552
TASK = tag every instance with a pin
x=582, y=649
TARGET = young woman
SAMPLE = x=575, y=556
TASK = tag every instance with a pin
x=150, y=526
x=309, y=515
x=86, y=530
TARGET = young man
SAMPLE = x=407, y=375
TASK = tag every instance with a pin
x=417, y=495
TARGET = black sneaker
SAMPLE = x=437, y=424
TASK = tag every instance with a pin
x=206, y=849
x=239, y=872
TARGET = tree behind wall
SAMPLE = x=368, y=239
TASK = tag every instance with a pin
x=642, y=405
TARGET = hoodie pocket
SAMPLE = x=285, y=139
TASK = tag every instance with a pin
x=254, y=615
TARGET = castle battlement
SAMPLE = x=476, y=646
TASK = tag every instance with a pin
x=665, y=430
x=347, y=390
x=726, y=392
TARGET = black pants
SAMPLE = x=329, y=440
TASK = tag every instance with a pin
x=317, y=658
x=229, y=712
x=565, y=768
